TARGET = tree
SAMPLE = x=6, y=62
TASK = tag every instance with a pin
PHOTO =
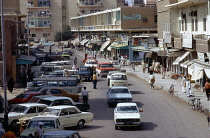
x=65, y=34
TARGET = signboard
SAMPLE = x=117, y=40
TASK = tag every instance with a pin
x=132, y=17
x=187, y=40
x=136, y=41
x=167, y=38
x=201, y=56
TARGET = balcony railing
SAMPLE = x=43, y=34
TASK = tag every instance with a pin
x=37, y=4
x=89, y=4
x=39, y=15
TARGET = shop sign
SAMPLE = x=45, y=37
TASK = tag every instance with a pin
x=187, y=40
x=201, y=56
x=167, y=38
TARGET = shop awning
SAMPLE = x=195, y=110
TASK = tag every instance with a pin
x=104, y=45
x=93, y=41
x=196, y=75
x=75, y=41
x=186, y=63
x=84, y=41
x=87, y=44
x=120, y=46
x=179, y=59
x=143, y=49
x=175, y=53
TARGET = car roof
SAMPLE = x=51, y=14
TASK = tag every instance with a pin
x=126, y=104
x=55, y=78
x=105, y=63
x=118, y=73
x=52, y=98
x=61, y=107
x=43, y=96
x=58, y=132
x=42, y=118
x=32, y=104
x=119, y=87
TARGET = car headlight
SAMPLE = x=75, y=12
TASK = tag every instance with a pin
x=136, y=120
x=118, y=120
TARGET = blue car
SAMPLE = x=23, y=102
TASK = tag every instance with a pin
x=85, y=73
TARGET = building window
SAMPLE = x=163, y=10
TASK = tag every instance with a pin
x=204, y=24
x=45, y=34
x=180, y=25
x=33, y=35
x=155, y=18
x=196, y=24
x=45, y=22
x=192, y=24
x=32, y=23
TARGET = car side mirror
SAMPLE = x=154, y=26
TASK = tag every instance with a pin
x=140, y=110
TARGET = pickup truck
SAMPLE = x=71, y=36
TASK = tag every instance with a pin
x=61, y=100
x=85, y=73
x=103, y=68
x=127, y=115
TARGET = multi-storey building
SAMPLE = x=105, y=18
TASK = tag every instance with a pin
x=183, y=25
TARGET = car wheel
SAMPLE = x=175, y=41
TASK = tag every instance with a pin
x=81, y=124
x=116, y=127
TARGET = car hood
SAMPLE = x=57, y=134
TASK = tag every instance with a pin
x=120, y=95
x=127, y=115
x=26, y=132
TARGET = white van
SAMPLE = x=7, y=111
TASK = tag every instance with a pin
x=118, y=79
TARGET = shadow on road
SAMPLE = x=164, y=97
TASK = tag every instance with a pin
x=136, y=92
x=86, y=127
x=148, y=126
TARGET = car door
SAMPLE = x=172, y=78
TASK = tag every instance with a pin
x=74, y=116
x=64, y=117
x=32, y=111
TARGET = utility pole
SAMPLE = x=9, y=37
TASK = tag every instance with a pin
x=4, y=66
x=28, y=34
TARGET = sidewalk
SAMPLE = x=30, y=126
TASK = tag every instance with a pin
x=163, y=83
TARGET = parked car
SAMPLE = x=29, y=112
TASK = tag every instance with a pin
x=89, y=58
x=118, y=94
x=36, y=99
x=127, y=115
x=23, y=110
x=116, y=64
x=69, y=115
x=109, y=76
x=71, y=53
x=61, y=134
x=56, y=91
x=23, y=98
x=65, y=55
x=61, y=100
x=85, y=73
x=103, y=68
x=51, y=123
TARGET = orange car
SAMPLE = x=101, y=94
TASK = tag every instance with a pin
x=55, y=91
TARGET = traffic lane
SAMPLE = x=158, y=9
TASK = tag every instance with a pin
x=169, y=116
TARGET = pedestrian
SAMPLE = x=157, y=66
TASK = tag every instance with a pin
x=9, y=134
x=10, y=84
x=94, y=80
x=208, y=120
x=1, y=104
x=119, y=59
x=188, y=88
x=2, y=131
x=183, y=83
x=56, y=52
x=207, y=89
x=85, y=95
x=39, y=132
x=73, y=67
x=75, y=60
x=163, y=71
x=143, y=64
x=151, y=80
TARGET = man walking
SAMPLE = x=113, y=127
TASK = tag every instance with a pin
x=151, y=80
x=75, y=60
x=85, y=95
x=207, y=88
x=94, y=80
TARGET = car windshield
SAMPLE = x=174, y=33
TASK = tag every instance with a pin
x=49, y=124
x=50, y=111
x=47, y=102
x=19, y=109
x=83, y=69
x=34, y=100
x=106, y=65
x=22, y=96
x=118, y=77
x=92, y=62
x=54, y=136
x=127, y=109
x=119, y=91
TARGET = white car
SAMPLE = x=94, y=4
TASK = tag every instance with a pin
x=50, y=124
x=127, y=114
x=109, y=76
x=23, y=110
x=69, y=115
x=118, y=79
x=90, y=63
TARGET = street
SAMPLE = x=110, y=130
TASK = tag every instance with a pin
x=163, y=116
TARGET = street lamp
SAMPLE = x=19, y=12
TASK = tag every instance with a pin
x=4, y=66
x=28, y=33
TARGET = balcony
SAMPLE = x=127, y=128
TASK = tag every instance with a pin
x=39, y=23
x=185, y=3
x=39, y=15
x=89, y=4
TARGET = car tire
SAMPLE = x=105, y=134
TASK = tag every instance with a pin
x=109, y=104
x=108, y=82
x=116, y=127
x=81, y=124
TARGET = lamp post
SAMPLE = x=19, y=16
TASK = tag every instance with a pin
x=4, y=66
x=28, y=34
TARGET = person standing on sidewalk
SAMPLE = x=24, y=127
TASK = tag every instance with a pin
x=207, y=88
x=94, y=80
x=143, y=64
x=85, y=95
x=183, y=83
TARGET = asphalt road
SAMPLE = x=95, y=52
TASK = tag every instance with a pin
x=163, y=116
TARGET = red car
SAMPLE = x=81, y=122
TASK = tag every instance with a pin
x=89, y=58
x=23, y=97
